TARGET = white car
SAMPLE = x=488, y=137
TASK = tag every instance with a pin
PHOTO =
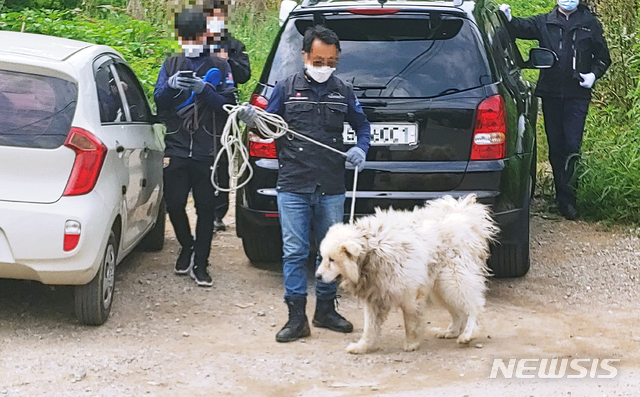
x=80, y=167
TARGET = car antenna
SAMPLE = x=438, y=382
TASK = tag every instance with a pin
x=382, y=3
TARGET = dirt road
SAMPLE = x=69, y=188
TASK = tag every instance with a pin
x=167, y=337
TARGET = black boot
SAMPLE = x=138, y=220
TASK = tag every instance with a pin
x=298, y=326
x=327, y=317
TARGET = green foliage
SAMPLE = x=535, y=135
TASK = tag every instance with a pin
x=257, y=31
x=142, y=45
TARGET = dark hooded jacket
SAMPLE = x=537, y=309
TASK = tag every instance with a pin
x=579, y=43
x=196, y=136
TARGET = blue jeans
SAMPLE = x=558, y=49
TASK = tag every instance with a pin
x=299, y=212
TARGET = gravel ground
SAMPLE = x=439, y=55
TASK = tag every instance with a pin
x=167, y=337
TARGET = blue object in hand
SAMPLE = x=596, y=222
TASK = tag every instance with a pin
x=213, y=77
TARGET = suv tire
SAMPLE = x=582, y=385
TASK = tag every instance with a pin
x=154, y=240
x=513, y=260
x=94, y=300
x=263, y=245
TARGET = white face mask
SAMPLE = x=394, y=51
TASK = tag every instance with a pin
x=568, y=5
x=215, y=25
x=192, y=50
x=319, y=73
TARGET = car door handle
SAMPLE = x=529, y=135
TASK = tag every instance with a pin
x=144, y=182
x=119, y=148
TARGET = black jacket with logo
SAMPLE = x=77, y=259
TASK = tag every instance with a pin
x=318, y=111
x=578, y=42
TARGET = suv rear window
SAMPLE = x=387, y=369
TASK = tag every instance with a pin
x=35, y=111
x=400, y=56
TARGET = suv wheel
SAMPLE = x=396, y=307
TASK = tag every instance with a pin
x=94, y=300
x=154, y=240
x=512, y=260
x=262, y=245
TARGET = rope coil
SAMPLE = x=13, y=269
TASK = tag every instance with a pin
x=267, y=126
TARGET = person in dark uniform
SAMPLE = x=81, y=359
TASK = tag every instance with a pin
x=575, y=35
x=225, y=46
x=311, y=179
x=191, y=108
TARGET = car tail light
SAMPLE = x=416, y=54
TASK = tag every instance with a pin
x=262, y=148
x=373, y=11
x=90, y=155
x=71, y=235
x=489, y=137
x=259, y=101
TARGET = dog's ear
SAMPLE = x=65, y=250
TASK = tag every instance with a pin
x=351, y=249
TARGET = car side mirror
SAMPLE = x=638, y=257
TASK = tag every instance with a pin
x=285, y=9
x=541, y=58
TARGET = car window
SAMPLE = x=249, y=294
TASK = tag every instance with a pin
x=136, y=100
x=405, y=56
x=111, y=109
x=35, y=111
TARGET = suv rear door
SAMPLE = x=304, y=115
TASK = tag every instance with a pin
x=408, y=68
x=36, y=112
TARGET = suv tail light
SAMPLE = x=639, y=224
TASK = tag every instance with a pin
x=71, y=235
x=90, y=155
x=489, y=137
x=262, y=148
x=259, y=101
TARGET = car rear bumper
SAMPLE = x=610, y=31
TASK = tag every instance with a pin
x=32, y=235
x=507, y=220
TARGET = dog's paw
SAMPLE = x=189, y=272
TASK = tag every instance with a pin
x=446, y=335
x=410, y=347
x=357, y=348
x=464, y=339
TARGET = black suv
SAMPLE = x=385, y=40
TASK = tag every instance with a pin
x=450, y=113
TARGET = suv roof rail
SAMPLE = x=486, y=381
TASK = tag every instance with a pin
x=311, y=3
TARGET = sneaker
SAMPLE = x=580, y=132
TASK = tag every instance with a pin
x=219, y=226
x=184, y=262
x=201, y=276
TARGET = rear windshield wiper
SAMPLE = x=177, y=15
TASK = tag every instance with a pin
x=365, y=86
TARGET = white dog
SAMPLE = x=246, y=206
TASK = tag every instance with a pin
x=401, y=258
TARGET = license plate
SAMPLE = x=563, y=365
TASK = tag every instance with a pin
x=385, y=134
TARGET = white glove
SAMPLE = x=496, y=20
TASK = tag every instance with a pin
x=506, y=10
x=587, y=80
x=356, y=157
x=248, y=114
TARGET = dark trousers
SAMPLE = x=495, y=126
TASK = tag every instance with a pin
x=564, y=120
x=222, y=198
x=182, y=176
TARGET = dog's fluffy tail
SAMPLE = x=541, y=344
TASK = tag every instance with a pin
x=468, y=225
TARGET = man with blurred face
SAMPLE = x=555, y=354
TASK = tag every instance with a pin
x=190, y=92
x=224, y=45
x=575, y=35
x=311, y=179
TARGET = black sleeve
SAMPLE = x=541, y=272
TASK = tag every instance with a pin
x=601, y=57
x=239, y=61
x=526, y=28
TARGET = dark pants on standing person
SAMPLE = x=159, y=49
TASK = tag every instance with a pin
x=182, y=176
x=222, y=179
x=564, y=120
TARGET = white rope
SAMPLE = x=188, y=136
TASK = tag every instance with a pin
x=268, y=126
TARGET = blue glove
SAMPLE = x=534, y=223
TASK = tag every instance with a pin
x=356, y=157
x=248, y=114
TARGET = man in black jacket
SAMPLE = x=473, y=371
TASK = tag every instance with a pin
x=191, y=107
x=225, y=46
x=575, y=35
